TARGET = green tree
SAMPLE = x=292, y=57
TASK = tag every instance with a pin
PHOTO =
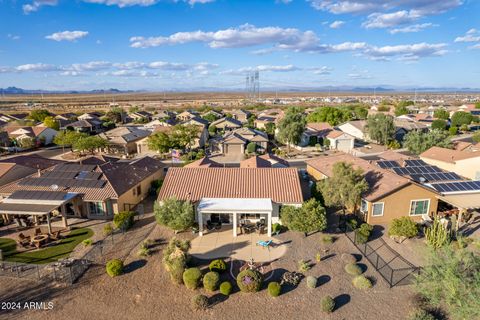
x=212, y=129
x=251, y=121
x=460, y=118
x=332, y=115
x=179, y=137
x=270, y=128
x=176, y=214
x=380, y=128
x=451, y=280
x=439, y=124
x=89, y=143
x=291, y=127
x=400, y=110
x=418, y=142
x=133, y=109
x=477, y=105
x=114, y=115
x=361, y=113
x=476, y=137
x=39, y=115
x=441, y=114
x=210, y=117
x=311, y=217
x=405, y=103
x=67, y=138
x=251, y=147
x=26, y=143
x=51, y=123
x=453, y=131
x=345, y=187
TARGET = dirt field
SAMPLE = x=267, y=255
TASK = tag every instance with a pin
x=145, y=291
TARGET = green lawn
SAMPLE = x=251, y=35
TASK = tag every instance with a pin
x=60, y=250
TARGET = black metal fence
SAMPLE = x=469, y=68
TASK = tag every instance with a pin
x=389, y=264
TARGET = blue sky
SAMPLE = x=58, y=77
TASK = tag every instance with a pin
x=182, y=44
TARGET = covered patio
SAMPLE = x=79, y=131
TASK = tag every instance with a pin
x=236, y=209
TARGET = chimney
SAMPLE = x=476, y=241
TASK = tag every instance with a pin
x=38, y=172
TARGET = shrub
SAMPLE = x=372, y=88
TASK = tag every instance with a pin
x=363, y=233
x=362, y=282
x=192, y=277
x=175, y=257
x=143, y=252
x=107, y=230
x=276, y=228
x=353, y=269
x=251, y=147
x=437, y=235
x=328, y=304
x=274, y=289
x=87, y=242
x=328, y=239
x=348, y=258
x=303, y=266
x=114, y=267
x=420, y=314
x=226, y=288
x=291, y=278
x=211, y=281
x=124, y=220
x=218, y=265
x=403, y=227
x=200, y=302
x=249, y=280
x=312, y=282
x=352, y=223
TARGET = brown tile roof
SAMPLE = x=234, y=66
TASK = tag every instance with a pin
x=335, y=134
x=461, y=145
x=204, y=163
x=275, y=159
x=449, y=155
x=394, y=156
x=319, y=126
x=33, y=161
x=282, y=185
x=10, y=172
x=255, y=162
x=381, y=182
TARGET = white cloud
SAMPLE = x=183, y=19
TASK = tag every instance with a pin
x=321, y=70
x=407, y=51
x=264, y=68
x=413, y=28
x=168, y=65
x=477, y=46
x=90, y=66
x=337, y=24
x=36, y=5
x=67, y=35
x=386, y=20
x=142, y=3
x=472, y=35
x=13, y=37
x=36, y=67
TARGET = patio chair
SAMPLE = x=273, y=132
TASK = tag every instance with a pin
x=37, y=232
x=23, y=240
x=261, y=229
x=264, y=244
x=56, y=236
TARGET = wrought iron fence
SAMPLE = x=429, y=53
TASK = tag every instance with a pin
x=395, y=270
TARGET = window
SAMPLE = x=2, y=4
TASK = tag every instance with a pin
x=96, y=208
x=419, y=207
x=364, y=206
x=377, y=209
x=139, y=190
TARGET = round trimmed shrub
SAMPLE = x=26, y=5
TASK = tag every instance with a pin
x=226, y=288
x=328, y=304
x=353, y=269
x=199, y=302
x=218, y=265
x=114, y=267
x=249, y=280
x=312, y=282
x=192, y=277
x=348, y=258
x=362, y=282
x=274, y=289
x=211, y=280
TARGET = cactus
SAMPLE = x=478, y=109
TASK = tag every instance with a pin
x=437, y=235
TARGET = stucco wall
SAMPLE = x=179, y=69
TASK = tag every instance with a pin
x=130, y=198
x=468, y=168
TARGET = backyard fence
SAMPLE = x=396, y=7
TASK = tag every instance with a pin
x=389, y=264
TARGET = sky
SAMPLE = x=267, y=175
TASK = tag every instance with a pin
x=190, y=44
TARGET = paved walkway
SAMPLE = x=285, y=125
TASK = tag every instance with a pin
x=222, y=244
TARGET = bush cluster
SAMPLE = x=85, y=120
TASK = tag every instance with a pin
x=226, y=288
x=192, y=278
x=249, y=280
x=175, y=257
x=114, y=267
x=124, y=220
x=363, y=233
x=403, y=227
x=211, y=280
x=218, y=265
x=274, y=289
x=328, y=304
x=420, y=314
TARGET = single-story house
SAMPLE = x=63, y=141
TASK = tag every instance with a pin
x=204, y=163
x=354, y=128
x=140, y=116
x=123, y=139
x=40, y=134
x=340, y=140
x=226, y=124
x=90, y=126
x=315, y=131
x=389, y=195
x=465, y=163
x=187, y=115
x=90, y=116
x=236, y=141
x=261, y=122
x=402, y=127
x=240, y=115
x=229, y=195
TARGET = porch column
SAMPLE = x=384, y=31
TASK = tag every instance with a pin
x=48, y=223
x=269, y=224
x=200, y=223
x=234, y=224
x=63, y=212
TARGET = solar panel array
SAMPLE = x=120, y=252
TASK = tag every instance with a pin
x=73, y=167
x=70, y=183
x=59, y=174
x=415, y=163
x=387, y=164
x=438, y=176
x=38, y=195
x=457, y=186
x=407, y=171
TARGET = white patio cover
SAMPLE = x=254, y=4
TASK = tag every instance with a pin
x=227, y=205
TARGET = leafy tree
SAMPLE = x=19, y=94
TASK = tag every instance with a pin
x=133, y=109
x=310, y=217
x=380, y=128
x=160, y=142
x=477, y=105
x=451, y=280
x=51, y=123
x=460, y=118
x=212, y=129
x=26, y=143
x=114, y=115
x=251, y=147
x=332, y=115
x=251, y=121
x=405, y=103
x=176, y=214
x=67, y=138
x=270, y=128
x=345, y=187
x=361, y=113
x=39, y=115
x=291, y=126
x=418, y=142
x=89, y=143
x=439, y=124
x=441, y=114
x=476, y=137
x=400, y=110
x=453, y=131
x=179, y=137
x=210, y=117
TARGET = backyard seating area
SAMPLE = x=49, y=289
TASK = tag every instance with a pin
x=38, y=239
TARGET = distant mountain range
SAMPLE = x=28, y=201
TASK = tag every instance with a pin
x=379, y=89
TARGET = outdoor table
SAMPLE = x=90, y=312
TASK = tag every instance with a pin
x=39, y=240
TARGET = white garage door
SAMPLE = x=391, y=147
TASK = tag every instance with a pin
x=234, y=148
x=344, y=145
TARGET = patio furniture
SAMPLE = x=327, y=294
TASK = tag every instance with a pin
x=37, y=232
x=264, y=244
x=248, y=228
x=55, y=236
x=261, y=229
x=39, y=240
x=23, y=240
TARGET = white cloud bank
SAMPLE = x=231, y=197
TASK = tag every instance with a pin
x=67, y=35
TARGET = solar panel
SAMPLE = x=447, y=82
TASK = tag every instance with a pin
x=387, y=164
x=74, y=183
x=73, y=167
x=407, y=171
x=438, y=176
x=38, y=195
x=457, y=186
x=59, y=174
x=415, y=163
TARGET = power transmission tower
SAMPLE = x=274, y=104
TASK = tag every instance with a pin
x=252, y=86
